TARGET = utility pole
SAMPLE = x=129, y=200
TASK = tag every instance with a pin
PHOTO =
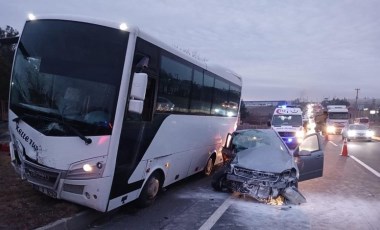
x=356, y=102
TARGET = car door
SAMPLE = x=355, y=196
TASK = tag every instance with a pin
x=309, y=157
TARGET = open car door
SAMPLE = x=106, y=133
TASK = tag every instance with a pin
x=309, y=157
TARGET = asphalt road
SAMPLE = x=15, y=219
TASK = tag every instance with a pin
x=346, y=197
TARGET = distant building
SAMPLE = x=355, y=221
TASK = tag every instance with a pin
x=260, y=112
x=249, y=104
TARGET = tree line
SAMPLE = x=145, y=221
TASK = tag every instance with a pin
x=8, y=41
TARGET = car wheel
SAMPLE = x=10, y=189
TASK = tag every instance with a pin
x=209, y=167
x=150, y=190
x=219, y=179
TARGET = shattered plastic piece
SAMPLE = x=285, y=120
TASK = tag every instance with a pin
x=293, y=195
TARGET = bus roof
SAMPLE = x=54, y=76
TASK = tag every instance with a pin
x=213, y=68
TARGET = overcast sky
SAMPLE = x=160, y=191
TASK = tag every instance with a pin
x=283, y=49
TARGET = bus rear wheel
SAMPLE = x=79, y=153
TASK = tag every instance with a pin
x=150, y=190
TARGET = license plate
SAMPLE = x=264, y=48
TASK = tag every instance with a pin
x=46, y=191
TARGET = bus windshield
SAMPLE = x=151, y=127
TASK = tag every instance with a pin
x=287, y=120
x=70, y=71
x=339, y=115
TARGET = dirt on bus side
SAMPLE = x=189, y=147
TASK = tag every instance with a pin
x=22, y=207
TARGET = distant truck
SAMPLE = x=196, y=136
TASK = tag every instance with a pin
x=337, y=118
x=288, y=123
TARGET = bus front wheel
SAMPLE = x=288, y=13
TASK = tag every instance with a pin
x=150, y=190
x=209, y=166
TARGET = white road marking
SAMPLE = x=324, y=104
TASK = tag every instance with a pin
x=366, y=166
x=210, y=222
x=333, y=143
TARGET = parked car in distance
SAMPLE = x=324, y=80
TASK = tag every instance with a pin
x=357, y=132
x=258, y=163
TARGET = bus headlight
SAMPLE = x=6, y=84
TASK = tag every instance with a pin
x=330, y=129
x=87, y=169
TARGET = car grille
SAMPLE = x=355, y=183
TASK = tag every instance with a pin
x=41, y=175
x=256, y=175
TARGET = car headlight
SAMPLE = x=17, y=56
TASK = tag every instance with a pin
x=87, y=169
x=330, y=129
x=289, y=174
x=351, y=133
x=370, y=133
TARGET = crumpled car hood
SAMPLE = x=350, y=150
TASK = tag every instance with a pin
x=265, y=158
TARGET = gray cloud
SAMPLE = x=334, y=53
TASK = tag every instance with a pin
x=283, y=48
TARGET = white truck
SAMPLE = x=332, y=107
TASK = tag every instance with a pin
x=337, y=118
x=287, y=121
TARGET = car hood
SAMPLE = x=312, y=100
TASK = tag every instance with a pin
x=265, y=158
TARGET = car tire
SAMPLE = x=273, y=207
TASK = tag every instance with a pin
x=209, y=167
x=218, y=180
x=150, y=190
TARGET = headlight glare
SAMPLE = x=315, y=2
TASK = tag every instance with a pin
x=87, y=168
x=330, y=129
x=370, y=133
x=300, y=134
x=351, y=133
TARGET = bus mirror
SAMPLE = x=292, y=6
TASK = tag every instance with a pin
x=138, y=90
x=136, y=106
x=139, y=85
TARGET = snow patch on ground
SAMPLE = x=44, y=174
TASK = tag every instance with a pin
x=322, y=211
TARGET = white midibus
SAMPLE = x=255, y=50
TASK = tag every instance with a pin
x=101, y=114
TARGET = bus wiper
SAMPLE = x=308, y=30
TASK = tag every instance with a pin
x=86, y=140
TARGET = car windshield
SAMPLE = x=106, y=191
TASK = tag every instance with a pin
x=364, y=120
x=357, y=127
x=289, y=120
x=252, y=139
x=339, y=115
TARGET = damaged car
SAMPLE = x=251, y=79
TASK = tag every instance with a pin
x=258, y=163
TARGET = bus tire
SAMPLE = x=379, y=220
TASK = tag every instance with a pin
x=209, y=167
x=150, y=190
